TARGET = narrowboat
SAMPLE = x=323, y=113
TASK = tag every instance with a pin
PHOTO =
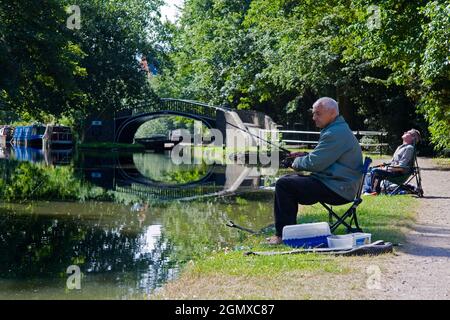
x=57, y=137
x=29, y=136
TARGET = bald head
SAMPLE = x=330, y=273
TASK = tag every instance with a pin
x=325, y=111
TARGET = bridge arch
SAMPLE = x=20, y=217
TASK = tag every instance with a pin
x=126, y=129
x=127, y=124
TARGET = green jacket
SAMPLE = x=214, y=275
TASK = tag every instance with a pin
x=336, y=161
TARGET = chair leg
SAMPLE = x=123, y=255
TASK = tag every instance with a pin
x=419, y=185
x=350, y=213
x=355, y=219
x=339, y=221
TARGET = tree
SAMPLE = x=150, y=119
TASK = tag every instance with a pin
x=114, y=35
x=412, y=44
x=51, y=70
x=279, y=56
x=40, y=64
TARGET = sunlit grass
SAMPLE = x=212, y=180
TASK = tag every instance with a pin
x=234, y=263
x=229, y=273
x=386, y=218
x=442, y=162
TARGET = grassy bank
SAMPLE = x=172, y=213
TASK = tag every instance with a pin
x=442, y=163
x=229, y=274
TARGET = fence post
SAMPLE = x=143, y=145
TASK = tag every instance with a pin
x=380, y=141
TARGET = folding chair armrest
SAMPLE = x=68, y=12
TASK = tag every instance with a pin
x=388, y=164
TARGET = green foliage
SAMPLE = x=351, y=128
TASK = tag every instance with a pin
x=275, y=56
x=412, y=44
x=113, y=36
x=185, y=176
x=279, y=56
x=164, y=125
x=49, y=71
x=39, y=62
x=27, y=181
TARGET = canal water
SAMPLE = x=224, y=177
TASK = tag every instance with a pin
x=96, y=225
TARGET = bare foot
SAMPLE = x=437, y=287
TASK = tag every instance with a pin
x=274, y=240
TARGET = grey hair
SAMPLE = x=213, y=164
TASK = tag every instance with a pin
x=328, y=103
x=416, y=135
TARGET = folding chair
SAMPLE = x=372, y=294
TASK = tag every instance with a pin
x=351, y=212
x=403, y=181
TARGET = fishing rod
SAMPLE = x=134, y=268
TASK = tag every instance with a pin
x=264, y=140
x=287, y=157
x=231, y=224
x=224, y=109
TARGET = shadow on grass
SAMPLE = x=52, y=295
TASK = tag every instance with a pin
x=385, y=219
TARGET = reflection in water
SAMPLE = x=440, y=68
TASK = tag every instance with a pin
x=126, y=248
x=5, y=153
x=159, y=168
x=119, y=255
x=48, y=157
x=38, y=243
x=154, y=177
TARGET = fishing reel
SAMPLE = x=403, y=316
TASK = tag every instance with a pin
x=288, y=158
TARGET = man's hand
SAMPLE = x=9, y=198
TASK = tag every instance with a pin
x=289, y=159
x=297, y=154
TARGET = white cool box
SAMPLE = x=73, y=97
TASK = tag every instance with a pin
x=309, y=235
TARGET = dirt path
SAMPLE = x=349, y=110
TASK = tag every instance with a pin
x=421, y=270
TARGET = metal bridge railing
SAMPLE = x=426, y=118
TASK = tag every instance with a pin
x=183, y=106
x=170, y=193
x=288, y=137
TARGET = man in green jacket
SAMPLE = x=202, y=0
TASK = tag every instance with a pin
x=335, y=165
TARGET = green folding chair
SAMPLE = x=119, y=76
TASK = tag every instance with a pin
x=349, y=217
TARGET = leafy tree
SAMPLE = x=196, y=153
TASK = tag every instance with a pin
x=279, y=56
x=114, y=35
x=412, y=44
x=39, y=62
x=51, y=70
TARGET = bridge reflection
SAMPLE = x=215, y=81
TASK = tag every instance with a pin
x=150, y=176
x=154, y=177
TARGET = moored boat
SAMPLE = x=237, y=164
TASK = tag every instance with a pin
x=57, y=137
x=29, y=136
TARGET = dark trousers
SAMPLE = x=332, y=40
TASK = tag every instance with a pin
x=378, y=175
x=295, y=189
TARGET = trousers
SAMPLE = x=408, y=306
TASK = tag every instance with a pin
x=292, y=190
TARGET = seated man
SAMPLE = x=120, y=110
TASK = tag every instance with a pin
x=335, y=164
x=400, y=164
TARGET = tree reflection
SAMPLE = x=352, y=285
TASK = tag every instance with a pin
x=39, y=246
